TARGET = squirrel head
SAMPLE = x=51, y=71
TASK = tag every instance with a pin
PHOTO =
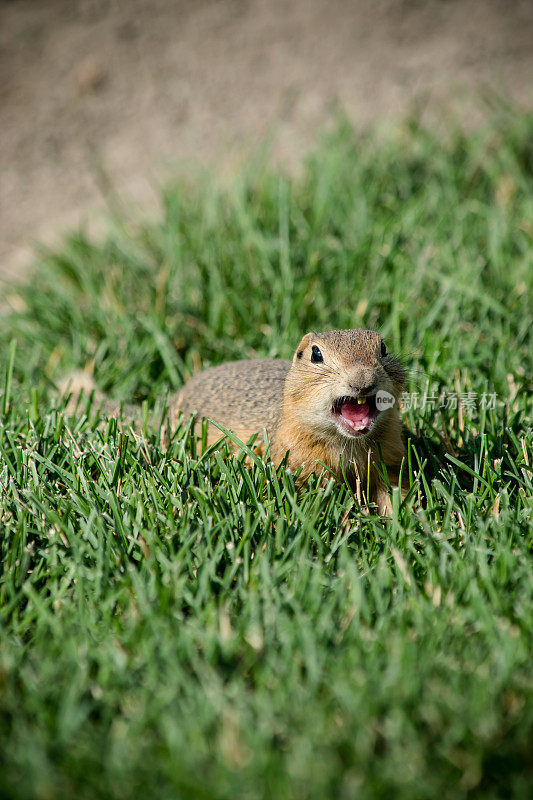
x=343, y=383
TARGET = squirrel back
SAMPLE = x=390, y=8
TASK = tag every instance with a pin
x=244, y=396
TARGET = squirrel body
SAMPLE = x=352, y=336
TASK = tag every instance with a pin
x=335, y=404
x=244, y=396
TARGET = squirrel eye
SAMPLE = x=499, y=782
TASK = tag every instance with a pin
x=316, y=355
x=383, y=349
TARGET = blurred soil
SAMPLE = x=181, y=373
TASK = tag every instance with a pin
x=127, y=92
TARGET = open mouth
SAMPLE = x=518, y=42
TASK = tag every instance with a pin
x=355, y=415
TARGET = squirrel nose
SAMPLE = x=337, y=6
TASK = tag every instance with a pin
x=362, y=390
x=362, y=382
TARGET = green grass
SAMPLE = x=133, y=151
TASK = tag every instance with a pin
x=183, y=626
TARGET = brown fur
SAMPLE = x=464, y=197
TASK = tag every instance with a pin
x=293, y=401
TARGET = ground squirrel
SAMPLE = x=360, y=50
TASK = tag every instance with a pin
x=338, y=398
x=337, y=401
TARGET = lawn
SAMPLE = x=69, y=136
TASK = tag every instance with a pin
x=178, y=623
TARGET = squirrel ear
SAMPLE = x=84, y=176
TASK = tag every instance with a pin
x=303, y=344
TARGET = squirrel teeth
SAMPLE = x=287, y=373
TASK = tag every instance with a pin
x=360, y=400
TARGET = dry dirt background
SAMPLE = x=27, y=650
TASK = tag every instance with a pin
x=136, y=89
